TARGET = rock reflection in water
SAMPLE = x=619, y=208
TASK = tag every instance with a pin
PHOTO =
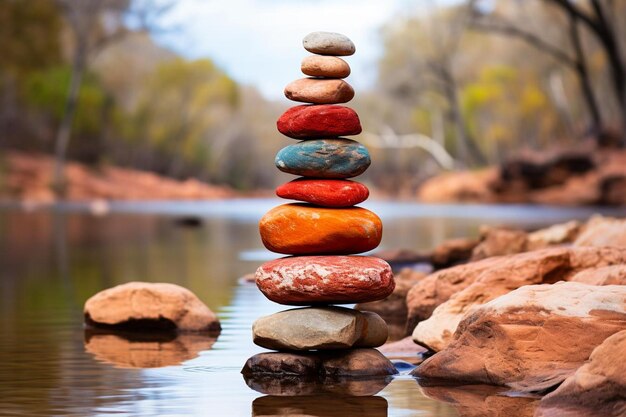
x=324, y=405
x=482, y=401
x=147, y=350
x=299, y=386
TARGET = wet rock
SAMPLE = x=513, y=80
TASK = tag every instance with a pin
x=530, y=339
x=325, y=405
x=607, y=275
x=482, y=401
x=306, y=280
x=394, y=305
x=405, y=349
x=319, y=328
x=319, y=91
x=145, y=350
x=324, y=158
x=143, y=306
x=603, y=231
x=281, y=364
x=325, y=66
x=498, y=275
x=357, y=363
x=328, y=43
x=597, y=388
x=325, y=193
x=302, y=229
x=319, y=122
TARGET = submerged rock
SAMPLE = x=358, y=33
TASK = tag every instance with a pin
x=598, y=388
x=482, y=401
x=322, y=405
x=532, y=338
x=145, y=306
x=319, y=328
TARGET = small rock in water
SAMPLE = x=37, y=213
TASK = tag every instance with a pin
x=319, y=121
x=304, y=280
x=357, y=363
x=324, y=158
x=145, y=306
x=328, y=43
x=325, y=193
x=325, y=66
x=283, y=364
x=302, y=229
x=319, y=91
x=318, y=328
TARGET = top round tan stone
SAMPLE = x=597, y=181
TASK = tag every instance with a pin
x=325, y=66
x=145, y=302
x=328, y=43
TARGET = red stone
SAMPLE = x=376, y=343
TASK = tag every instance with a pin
x=319, y=122
x=325, y=193
x=304, y=280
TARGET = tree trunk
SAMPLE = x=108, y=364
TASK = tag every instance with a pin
x=65, y=128
x=596, y=126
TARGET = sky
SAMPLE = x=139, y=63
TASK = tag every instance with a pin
x=259, y=42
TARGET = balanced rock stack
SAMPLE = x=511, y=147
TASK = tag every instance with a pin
x=322, y=233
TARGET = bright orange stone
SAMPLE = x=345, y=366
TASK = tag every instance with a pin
x=303, y=229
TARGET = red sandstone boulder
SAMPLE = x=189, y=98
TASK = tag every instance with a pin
x=498, y=275
x=532, y=338
x=145, y=306
x=324, y=192
x=603, y=231
x=394, y=305
x=606, y=275
x=305, y=280
x=597, y=389
x=319, y=122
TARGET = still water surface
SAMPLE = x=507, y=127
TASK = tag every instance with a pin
x=52, y=260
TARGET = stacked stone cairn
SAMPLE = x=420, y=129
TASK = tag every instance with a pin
x=322, y=234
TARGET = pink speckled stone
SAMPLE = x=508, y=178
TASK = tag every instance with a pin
x=304, y=280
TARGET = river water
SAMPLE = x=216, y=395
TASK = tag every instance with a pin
x=53, y=259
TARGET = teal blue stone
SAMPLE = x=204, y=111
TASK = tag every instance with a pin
x=324, y=158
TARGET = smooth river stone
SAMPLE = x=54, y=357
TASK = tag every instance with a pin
x=325, y=193
x=325, y=66
x=324, y=158
x=319, y=121
x=302, y=229
x=328, y=43
x=304, y=280
x=319, y=328
x=319, y=91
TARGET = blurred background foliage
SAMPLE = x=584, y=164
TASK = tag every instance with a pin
x=481, y=80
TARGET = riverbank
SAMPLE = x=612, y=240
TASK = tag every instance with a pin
x=574, y=177
x=28, y=178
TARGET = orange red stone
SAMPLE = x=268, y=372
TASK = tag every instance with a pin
x=303, y=229
x=323, y=192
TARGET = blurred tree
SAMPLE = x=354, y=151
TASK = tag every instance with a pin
x=594, y=15
x=184, y=110
x=421, y=56
x=94, y=25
